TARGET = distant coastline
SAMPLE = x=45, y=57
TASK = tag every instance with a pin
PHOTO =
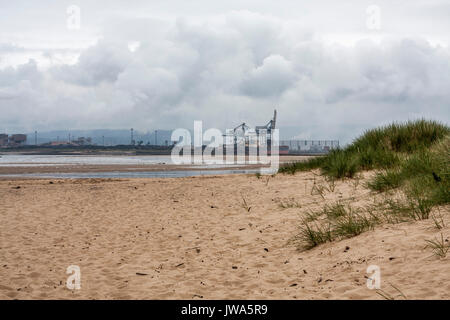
x=89, y=150
x=110, y=150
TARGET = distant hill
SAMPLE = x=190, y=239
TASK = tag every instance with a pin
x=100, y=136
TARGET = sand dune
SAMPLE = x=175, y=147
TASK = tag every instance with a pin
x=191, y=238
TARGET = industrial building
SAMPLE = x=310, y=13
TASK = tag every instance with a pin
x=310, y=146
x=3, y=140
x=81, y=141
x=242, y=134
x=15, y=140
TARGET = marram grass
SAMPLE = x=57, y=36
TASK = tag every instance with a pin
x=413, y=157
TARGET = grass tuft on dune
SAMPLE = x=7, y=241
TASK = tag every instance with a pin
x=379, y=148
x=411, y=158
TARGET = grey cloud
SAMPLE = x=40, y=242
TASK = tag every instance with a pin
x=103, y=62
x=273, y=77
x=26, y=72
x=228, y=70
x=10, y=48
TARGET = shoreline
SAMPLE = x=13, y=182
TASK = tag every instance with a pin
x=48, y=168
x=113, y=168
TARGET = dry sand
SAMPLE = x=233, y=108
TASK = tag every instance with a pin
x=191, y=238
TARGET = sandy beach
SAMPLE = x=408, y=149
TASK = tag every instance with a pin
x=192, y=238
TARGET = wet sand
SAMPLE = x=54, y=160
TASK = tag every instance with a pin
x=32, y=168
x=108, y=168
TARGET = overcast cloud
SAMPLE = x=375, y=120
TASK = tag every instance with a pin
x=162, y=65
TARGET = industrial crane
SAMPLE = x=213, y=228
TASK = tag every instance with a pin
x=243, y=130
x=269, y=126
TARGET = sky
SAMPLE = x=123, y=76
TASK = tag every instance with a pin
x=332, y=69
